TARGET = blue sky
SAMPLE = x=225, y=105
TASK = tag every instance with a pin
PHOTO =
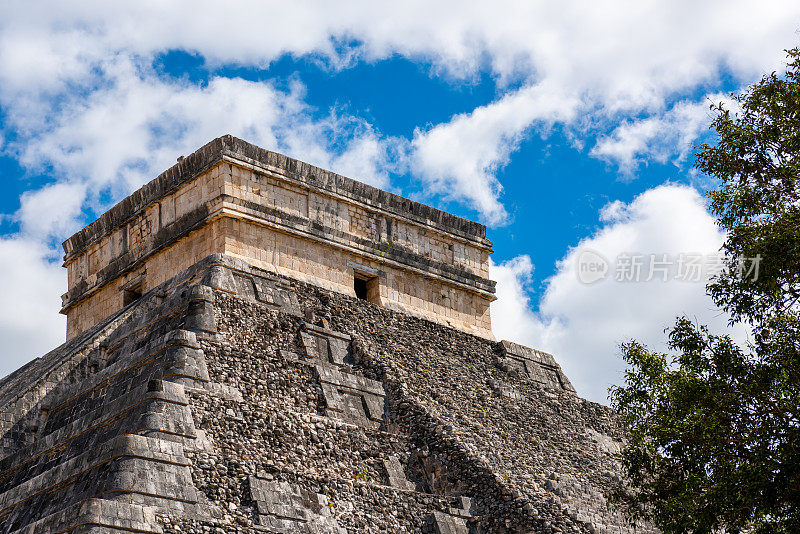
x=563, y=127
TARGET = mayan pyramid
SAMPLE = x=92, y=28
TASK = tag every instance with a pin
x=255, y=344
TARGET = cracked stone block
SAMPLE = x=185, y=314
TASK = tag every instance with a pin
x=266, y=291
x=455, y=520
x=537, y=365
x=504, y=390
x=325, y=345
x=245, y=286
x=397, y=477
x=552, y=377
x=220, y=277
x=315, y=346
x=277, y=293
x=448, y=524
x=352, y=398
x=463, y=509
x=286, y=508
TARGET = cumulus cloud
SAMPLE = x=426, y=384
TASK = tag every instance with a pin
x=81, y=101
x=633, y=53
x=513, y=317
x=608, y=62
x=459, y=159
x=596, y=63
x=31, y=286
x=665, y=137
x=122, y=135
x=51, y=211
x=582, y=324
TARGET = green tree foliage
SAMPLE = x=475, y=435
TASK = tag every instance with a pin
x=757, y=160
x=715, y=428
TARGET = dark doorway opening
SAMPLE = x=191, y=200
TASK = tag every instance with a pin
x=360, y=286
x=131, y=294
x=367, y=288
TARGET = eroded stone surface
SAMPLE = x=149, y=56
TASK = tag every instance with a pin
x=178, y=403
x=324, y=344
x=455, y=520
x=285, y=508
x=396, y=474
x=537, y=365
x=352, y=398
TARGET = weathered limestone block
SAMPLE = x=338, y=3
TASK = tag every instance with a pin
x=504, y=390
x=326, y=345
x=448, y=524
x=397, y=477
x=352, y=398
x=188, y=363
x=535, y=364
x=200, y=316
x=223, y=391
x=267, y=290
x=285, y=508
x=455, y=521
x=218, y=275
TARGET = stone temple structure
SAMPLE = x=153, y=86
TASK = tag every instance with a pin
x=255, y=344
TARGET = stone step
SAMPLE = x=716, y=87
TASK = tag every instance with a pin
x=106, y=516
x=140, y=476
x=154, y=392
x=186, y=360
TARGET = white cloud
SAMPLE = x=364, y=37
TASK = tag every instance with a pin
x=459, y=159
x=124, y=134
x=582, y=325
x=512, y=314
x=604, y=63
x=599, y=63
x=31, y=286
x=665, y=137
x=51, y=211
x=631, y=52
x=80, y=99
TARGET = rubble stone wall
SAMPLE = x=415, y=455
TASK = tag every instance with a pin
x=230, y=399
